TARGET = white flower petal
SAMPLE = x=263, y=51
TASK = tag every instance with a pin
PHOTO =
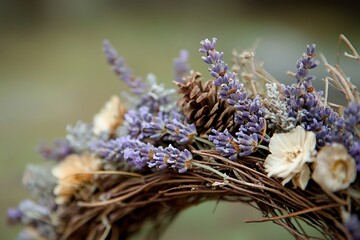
x=301, y=179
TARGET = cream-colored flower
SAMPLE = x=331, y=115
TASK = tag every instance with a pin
x=290, y=153
x=334, y=168
x=70, y=175
x=110, y=117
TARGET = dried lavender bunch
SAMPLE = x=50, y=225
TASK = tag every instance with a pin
x=306, y=105
x=250, y=112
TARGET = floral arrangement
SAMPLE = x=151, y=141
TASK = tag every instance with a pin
x=240, y=137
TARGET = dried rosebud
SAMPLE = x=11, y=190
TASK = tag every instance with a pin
x=72, y=173
x=110, y=117
x=334, y=168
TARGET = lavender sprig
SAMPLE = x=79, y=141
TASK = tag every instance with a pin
x=136, y=153
x=351, y=131
x=58, y=151
x=181, y=132
x=304, y=64
x=14, y=215
x=304, y=103
x=136, y=120
x=248, y=143
x=158, y=157
x=353, y=225
x=230, y=87
x=225, y=143
x=31, y=213
x=140, y=155
x=124, y=73
x=171, y=126
x=243, y=145
x=181, y=66
x=171, y=157
x=113, y=150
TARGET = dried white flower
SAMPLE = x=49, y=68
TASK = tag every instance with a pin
x=110, y=117
x=70, y=175
x=334, y=168
x=290, y=153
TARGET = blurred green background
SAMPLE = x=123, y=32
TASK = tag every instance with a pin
x=53, y=73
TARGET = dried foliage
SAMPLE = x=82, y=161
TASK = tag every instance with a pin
x=126, y=203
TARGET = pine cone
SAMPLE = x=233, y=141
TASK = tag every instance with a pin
x=201, y=106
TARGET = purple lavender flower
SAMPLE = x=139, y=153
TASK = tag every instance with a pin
x=244, y=144
x=183, y=161
x=60, y=149
x=14, y=215
x=310, y=112
x=171, y=156
x=248, y=143
x=181, y=66
x=355, y=152
x=351, y=131
x=158, y=98
x=232, y=90
x=113, y=150
x=207, y=45
x=159, y=158
x=29, y=206
x=122, y=71
x=31, y=211
x=143, y=124
x=225, y=143
x=180, y=132
x=304, y=64
x=140, y=155
x=124, y=149
x=218, y=68
x=110, y=52
x=230, y=87
x=352, y=118
x=136, y=120
x=353, y=225
x=171, y=126
x=133, y=155
x=250, y=115
x=155, y=128
x=34, y=214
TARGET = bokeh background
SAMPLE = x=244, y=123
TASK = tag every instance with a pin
x=53, y=73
